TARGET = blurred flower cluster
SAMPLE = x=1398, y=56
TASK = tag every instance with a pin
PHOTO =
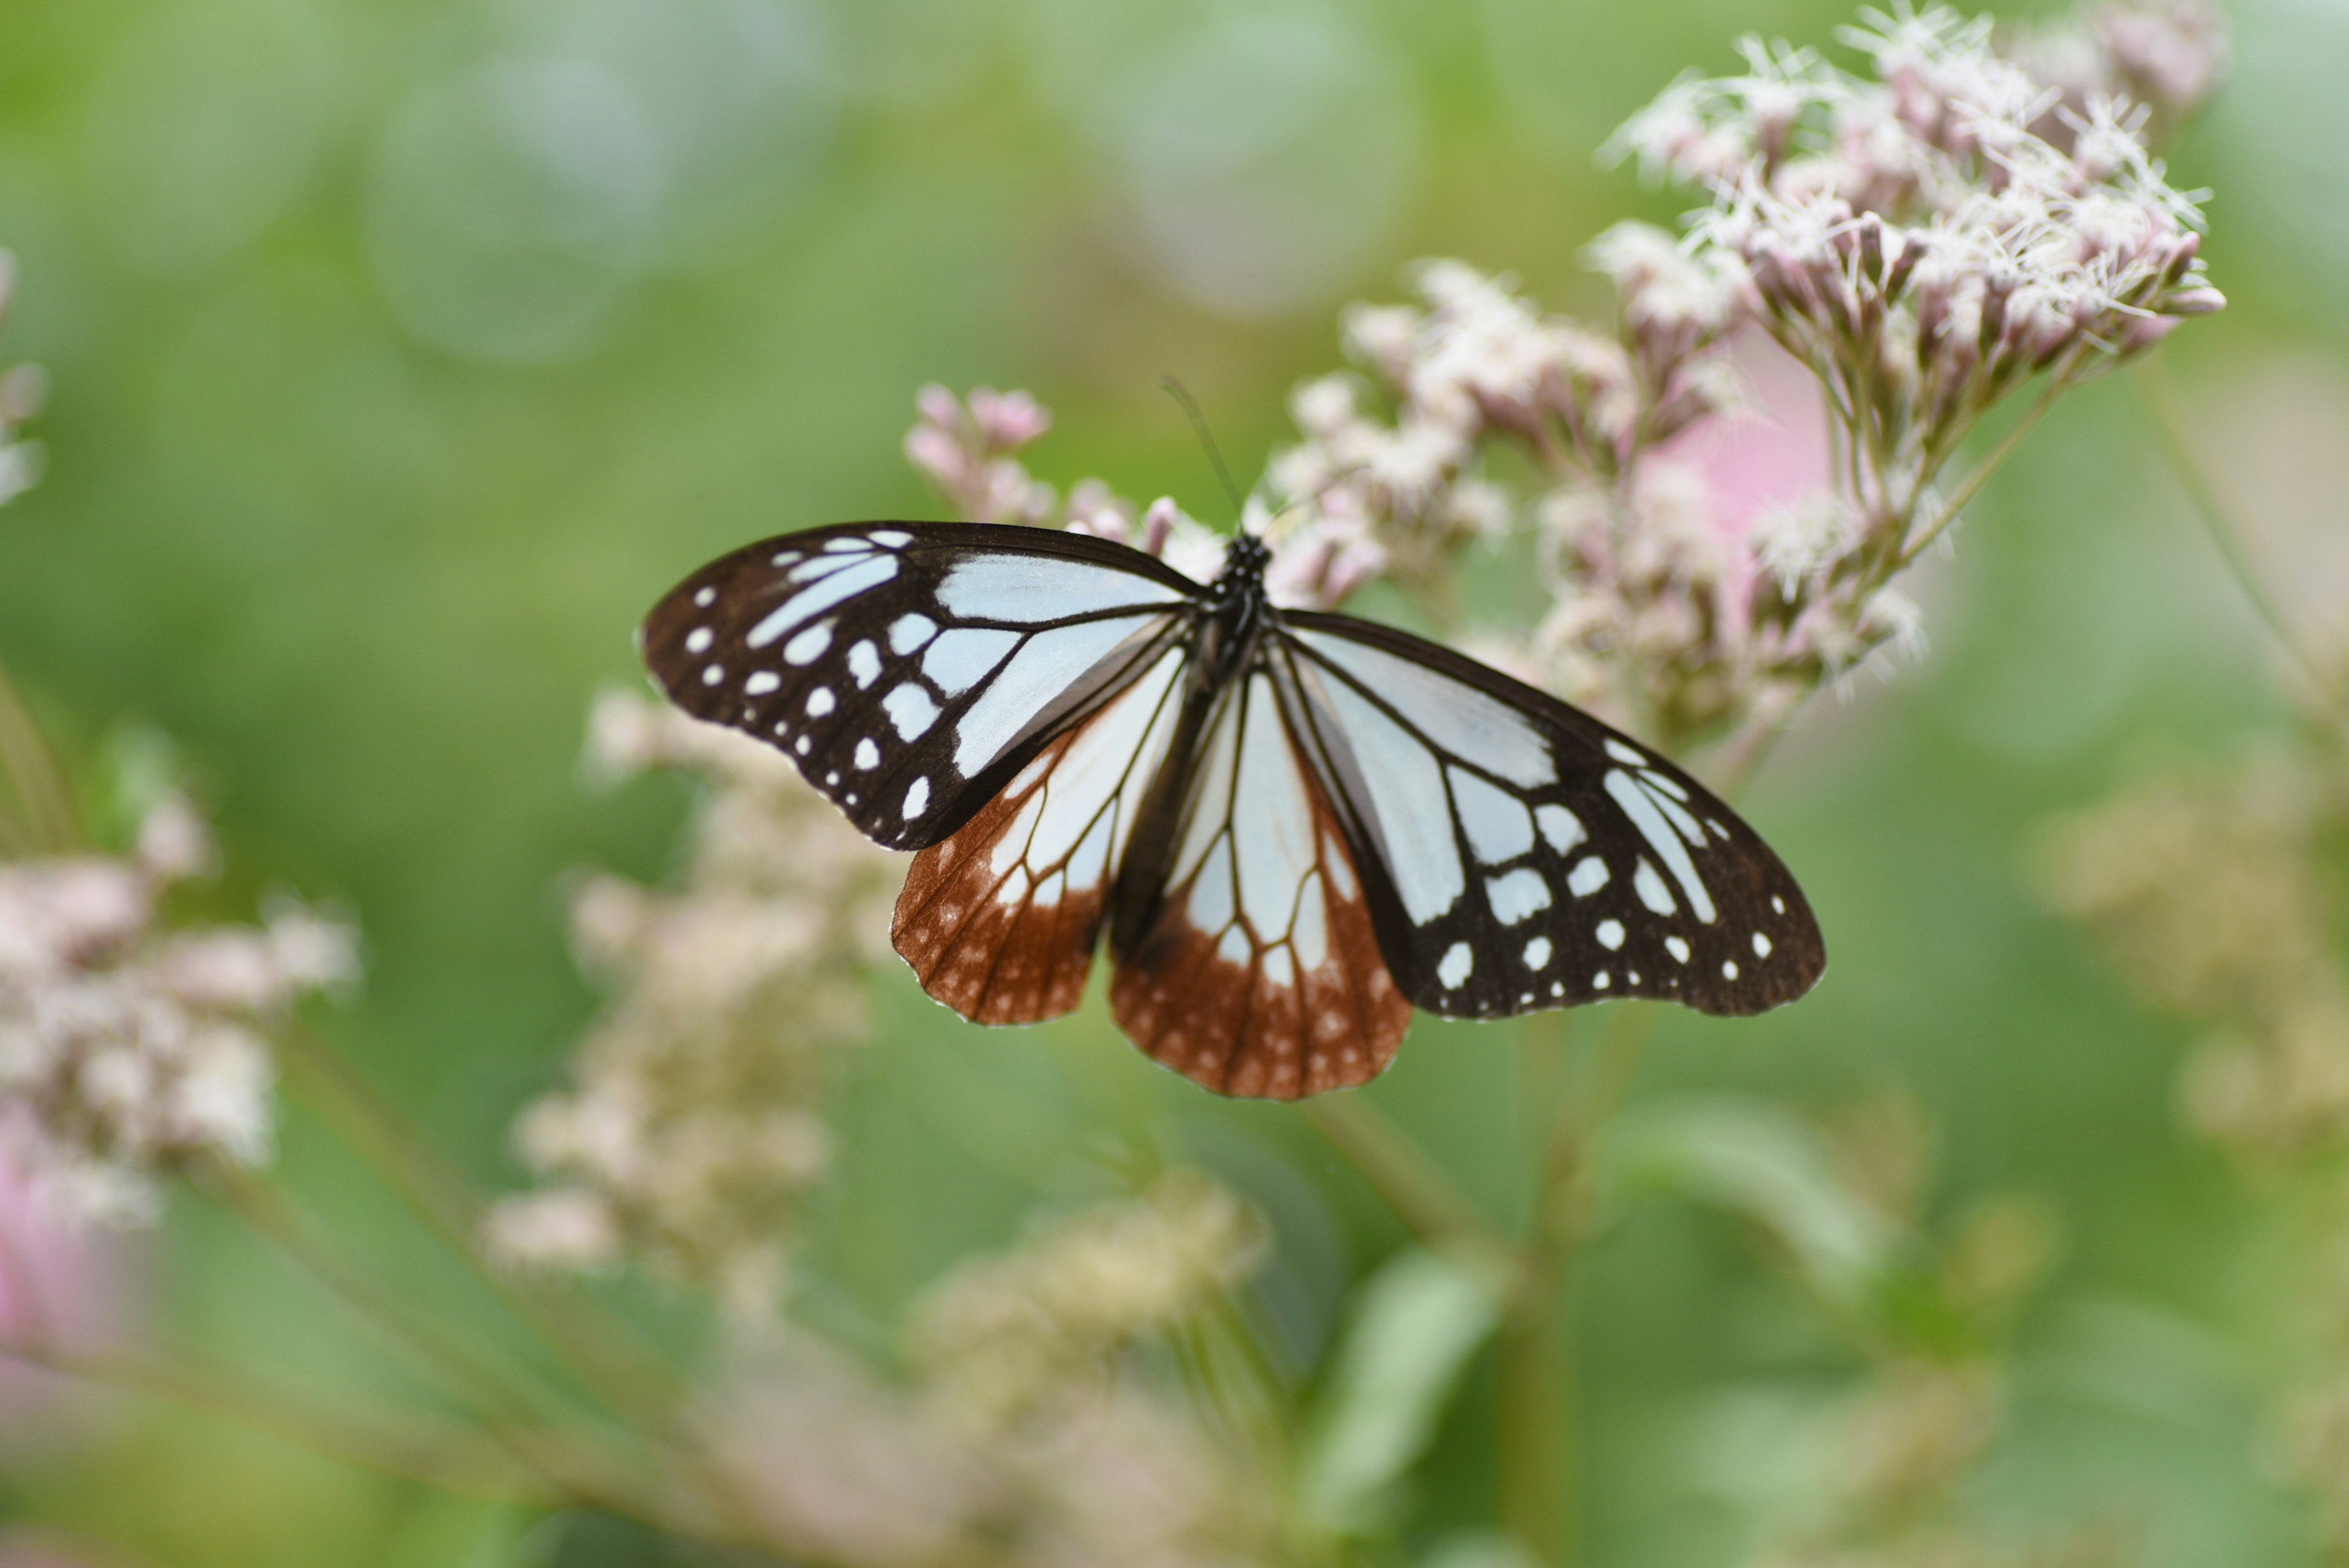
x=2213, y=894
x=692, y=1123
x=22, y=390
x=2206, y=893
x=1031, y=1435
x=129, y=1049
x=969, y=449
x=999, y=1335
x=1919, y=243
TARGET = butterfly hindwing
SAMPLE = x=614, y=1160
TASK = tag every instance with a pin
x=1526, y=856
x=911, y=669
x=1000, y=921
x=1257, y=973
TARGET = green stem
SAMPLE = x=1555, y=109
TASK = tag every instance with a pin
x=449, y=1461
x=52, y=825
x=512, y=1416
x=624, y=1379
x=1989, y=465
x=1414, y=1186
x=2161, y=407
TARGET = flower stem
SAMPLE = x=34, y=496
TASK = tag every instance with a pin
x=1989, y=465
x=1414, y=1186
x=450, y=1461
x=2161, y=407
x=512, y=1416
x=622, y=1377
x=51, y=823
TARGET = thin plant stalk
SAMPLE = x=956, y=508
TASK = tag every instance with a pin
x=1413, y=1185
x=447, y=1460
x=2153, y=390
x=51, y=824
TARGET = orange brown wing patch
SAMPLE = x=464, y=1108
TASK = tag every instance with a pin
x=1261, y=976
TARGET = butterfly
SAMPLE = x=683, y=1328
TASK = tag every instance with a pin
x=1294, y=827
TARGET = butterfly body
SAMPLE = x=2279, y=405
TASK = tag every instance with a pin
x=1291, y=826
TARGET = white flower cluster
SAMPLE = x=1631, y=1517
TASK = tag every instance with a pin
x=1935, y=234
x=692, y=1126
x=128, y=1050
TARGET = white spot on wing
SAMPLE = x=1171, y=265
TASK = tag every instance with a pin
x=864, y=663
x=917, y=798
x=1561, y=827
x=705, y=598
x=820, y=702
x=1589, y=875
x=1310, y=934
x=1678, y=947
x=1610, y=935
x=699, y=640
x=713, y=675
x=1517, y=895
x=1213, y=899
x=892, y=538
x=868, y=755
x=1641, y=808
x=908, y=632
x=1651, y=889
x=1458, y=963
x=807, y=647
x=910, y=708
x=1033, y=588
x=959, y=660
x=1623, y=753
x=1672, y=809
x=1498, y=825
x=1729, y=969
x=1538, y=952
x=809, y=603
x=1761, y=945
x=760, y=683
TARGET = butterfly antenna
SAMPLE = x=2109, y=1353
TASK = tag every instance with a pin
x=1314, y=496
x=1181, y=394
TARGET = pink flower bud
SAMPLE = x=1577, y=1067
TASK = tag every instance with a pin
x=938, y=406
x=1007, y=420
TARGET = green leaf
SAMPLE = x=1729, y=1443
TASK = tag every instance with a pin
x=1757, y=1160
x=1415, y=1327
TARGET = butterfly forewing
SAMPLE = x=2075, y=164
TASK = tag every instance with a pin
x=1525, y=855
x=912, y=669
x=1257, y=973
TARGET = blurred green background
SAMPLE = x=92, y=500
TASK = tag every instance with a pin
x=401, y=352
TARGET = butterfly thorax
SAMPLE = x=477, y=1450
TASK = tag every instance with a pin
x=1234, y=612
